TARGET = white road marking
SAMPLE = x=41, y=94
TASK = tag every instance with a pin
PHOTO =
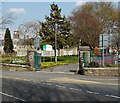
x=48, y=84
x=96, y=93
x=34, y=81
x=44, y=83
x=60, y=86
x=73, y=89
x=89, y=92
x=113, y=96
x=79, y=90
x=12, y=96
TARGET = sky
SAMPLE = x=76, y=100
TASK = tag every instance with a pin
x=29, y=10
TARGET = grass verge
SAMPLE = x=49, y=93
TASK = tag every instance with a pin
x=46, y=62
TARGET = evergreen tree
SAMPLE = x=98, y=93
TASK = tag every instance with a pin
x=8, y=44
x=56, y=23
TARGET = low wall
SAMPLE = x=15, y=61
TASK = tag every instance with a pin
x=102, y=71
x=14, y=67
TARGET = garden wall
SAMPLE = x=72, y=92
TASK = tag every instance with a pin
x=102, y=71
x=14, y=67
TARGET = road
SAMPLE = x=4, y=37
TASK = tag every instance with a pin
x=57, y=86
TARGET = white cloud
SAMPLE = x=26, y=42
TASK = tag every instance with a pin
x=17, y=10
x=79, y=3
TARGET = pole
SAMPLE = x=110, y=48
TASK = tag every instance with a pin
x=55, y=42
x=102, y=50
x=80, y=71
x=50, y=56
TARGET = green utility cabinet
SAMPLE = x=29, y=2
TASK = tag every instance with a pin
x=37, y=60
x=85, y=60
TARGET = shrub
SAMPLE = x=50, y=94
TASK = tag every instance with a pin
x=93, y=64
x=112, y=65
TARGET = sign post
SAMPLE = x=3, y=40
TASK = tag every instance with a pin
x=31, y=59
x=37, y=55
x=49, y=48
x=37, y=42
x=103, y=44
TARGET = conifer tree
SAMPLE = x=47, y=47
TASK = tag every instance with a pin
x=56, y=23
x=8, y=44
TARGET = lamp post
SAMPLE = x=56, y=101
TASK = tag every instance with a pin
x=56, y=33
x=55, y=42
x=103, y=51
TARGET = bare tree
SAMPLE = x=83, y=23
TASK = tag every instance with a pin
x=6, y=19
x=31, y=28
x=28, y=31
x=93, y=19
x=87, y=28
x=115, y=42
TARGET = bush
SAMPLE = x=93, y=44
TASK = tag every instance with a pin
x=93, y=64
x=112, y=65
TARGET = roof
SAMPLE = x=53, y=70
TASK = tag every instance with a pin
x=84, y=48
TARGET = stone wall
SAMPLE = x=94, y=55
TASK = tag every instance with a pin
x=102, y=71
x=14, y=67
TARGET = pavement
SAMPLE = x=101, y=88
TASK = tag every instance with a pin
x=69, y=68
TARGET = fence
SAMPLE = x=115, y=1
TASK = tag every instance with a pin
x=108, y=58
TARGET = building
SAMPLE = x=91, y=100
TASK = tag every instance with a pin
x=18, y=43
x=1, y=47
x=20, y=47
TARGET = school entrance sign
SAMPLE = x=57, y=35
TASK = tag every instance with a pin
x=47, y=47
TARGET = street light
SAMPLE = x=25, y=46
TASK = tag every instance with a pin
x=55, y=42
x=56, y=32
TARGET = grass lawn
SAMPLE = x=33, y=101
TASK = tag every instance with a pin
x=62, y=60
